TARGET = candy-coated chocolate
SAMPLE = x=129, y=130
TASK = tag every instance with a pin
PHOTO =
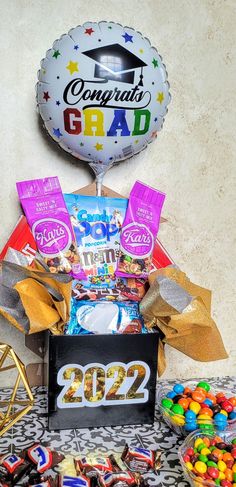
x=191, y=426
x=190, y=415
x=204, y=385
x=177, y=419
x=167, y=403
x=178, y=388
x=222, y=465
x=213, y=472
x=198, y=396
x=200, y=467
x=233, y=401
x=212, y=464
x=177, y=409
x=227, y=406
x=195, y=407
x=184, y=403
x=171, y=394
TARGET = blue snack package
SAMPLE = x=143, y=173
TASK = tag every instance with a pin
x=97, y=222
x=103, y=317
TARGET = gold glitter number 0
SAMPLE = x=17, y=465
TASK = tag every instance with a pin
x=94, y=384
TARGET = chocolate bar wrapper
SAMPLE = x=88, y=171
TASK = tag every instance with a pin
x=141, y=460
x=80, y=481
x=96, y=466
x=21, y=241
x=109, y=288
x=12, y=468
x=42, y=457
x=122, y=479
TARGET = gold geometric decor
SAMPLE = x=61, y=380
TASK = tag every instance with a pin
x=13, y=408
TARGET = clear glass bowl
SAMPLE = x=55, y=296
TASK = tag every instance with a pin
x=172, y=419
x=193, y=480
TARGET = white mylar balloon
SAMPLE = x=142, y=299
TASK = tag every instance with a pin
x=102, y=93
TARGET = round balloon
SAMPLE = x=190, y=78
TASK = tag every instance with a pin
x=102, y=93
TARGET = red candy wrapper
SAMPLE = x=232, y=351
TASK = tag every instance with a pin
x=139, y=231
x=43, y=457
x=141, y=460
x=99, y=465
x=122, y=479
x=21, y=240
x=12, y=468
x=160, y=257
x=80, y=481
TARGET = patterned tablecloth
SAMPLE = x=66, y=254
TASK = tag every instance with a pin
x=33, y=427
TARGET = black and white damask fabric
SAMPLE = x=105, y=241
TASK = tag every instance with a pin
x=33, y=428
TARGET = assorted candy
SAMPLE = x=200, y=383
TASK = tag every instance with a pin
x=199, y=407
x=213, y=460
x=35, y=463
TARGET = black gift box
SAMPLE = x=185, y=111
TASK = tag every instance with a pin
x=101, y=380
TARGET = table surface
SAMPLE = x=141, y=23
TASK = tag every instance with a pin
x=33, y=428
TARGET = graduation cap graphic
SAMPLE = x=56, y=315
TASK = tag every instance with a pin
x=116, y=63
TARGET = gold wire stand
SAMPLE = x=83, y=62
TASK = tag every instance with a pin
x=8, y=417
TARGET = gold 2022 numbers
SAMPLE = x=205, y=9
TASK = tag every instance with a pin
x=97, y=384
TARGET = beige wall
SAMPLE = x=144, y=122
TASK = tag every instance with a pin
x=193, y=160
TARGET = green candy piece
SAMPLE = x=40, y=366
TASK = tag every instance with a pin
x=177, y=409
x=201, y=446
x=212, y=464
x=203, y=458
x=204, y=385
x=167, y=403
x=206, y=427
x=233, y=441
x=234, y=477
x=217, y=481
x=211, y=448
x=195, y=450
x=128, y=258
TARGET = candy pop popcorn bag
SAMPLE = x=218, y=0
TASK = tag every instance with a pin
x=97, y=225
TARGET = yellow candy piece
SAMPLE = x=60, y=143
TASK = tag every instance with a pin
x=205, y=451
x=189, y=465
x=234, y=468
x=204, y=418
x=221, y=475
x=179, y=420
x=222, y=411
x=198, y=441
x=221, y=465
x=195, y=407
x=200, y=467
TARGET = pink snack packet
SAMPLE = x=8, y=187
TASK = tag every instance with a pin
x=45, y=209
x=139, y=231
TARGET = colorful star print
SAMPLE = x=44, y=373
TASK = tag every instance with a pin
x=155, y=63
x=76, y=47
x=89, y=31
x=56, y=54
x=72, y=66
x=98, y=146
x=160, y=97
x=127, y=37
x=57, y=133
x=46, y=95
x=58, y=103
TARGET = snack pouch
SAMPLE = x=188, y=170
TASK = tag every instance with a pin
x=139, y=231
x=101, y=317
x=97, y=222
x=109, y=288
x=44, y=206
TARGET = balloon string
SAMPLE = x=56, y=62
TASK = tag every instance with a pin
x=99, y=180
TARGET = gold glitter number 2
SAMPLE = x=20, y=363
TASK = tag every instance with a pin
x=95, y=384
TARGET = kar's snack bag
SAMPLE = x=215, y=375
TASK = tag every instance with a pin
x=102, y=317
x=97, y=224
x=20, y=240
x=139, y=231
x=109, y=288
x=45, y=210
